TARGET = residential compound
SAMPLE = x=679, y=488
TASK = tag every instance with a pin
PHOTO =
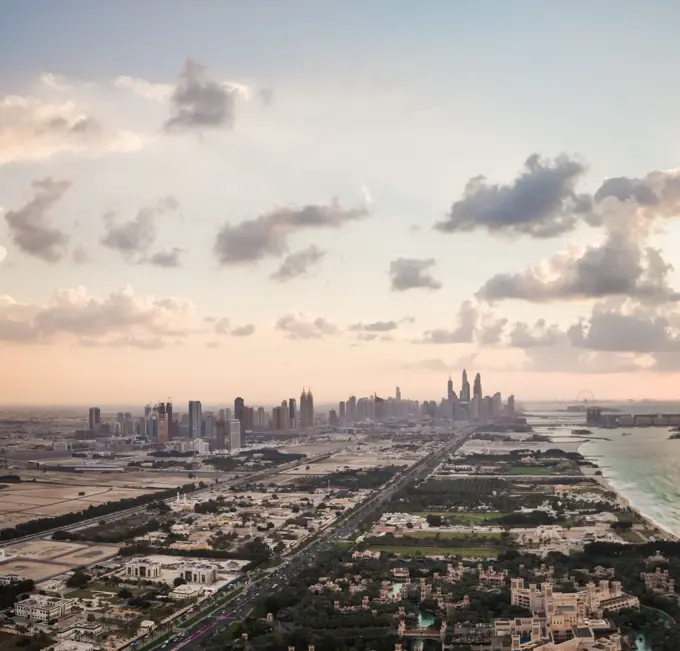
x=565, y=621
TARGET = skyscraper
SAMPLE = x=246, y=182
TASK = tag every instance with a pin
x=163, y=423
x=465, y=388
x=195, y=419
x=352, y=408
x=379, y=407
x=397, y=395
x=234, y=432
x=239, y=404
x=292, y=413
x=343, y=409
x=95, y=417
x=449, y=389
x=306, y=409
x=477, y=387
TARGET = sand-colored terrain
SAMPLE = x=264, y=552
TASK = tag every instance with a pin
x=29, y=501
x=43, y=550
x=36, y=570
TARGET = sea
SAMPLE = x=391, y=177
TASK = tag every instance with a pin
x=643, y=467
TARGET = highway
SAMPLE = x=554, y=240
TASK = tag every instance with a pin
x=242, y=606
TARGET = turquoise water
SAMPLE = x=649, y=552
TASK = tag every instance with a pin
x=644, y=468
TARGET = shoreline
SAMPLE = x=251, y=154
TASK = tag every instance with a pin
x=622, y=500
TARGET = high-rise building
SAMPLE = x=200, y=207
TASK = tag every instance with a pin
x=306, y=409
x=221, y=435
x=239, y=404
x=397, y=395
x=477, y=387
x=292, y=413
x=195, y=419
x=379, y=408
x=343, y=409
x=511, y=404
x=352, y=408
x=465, y=388
x=332, y=418
x=94, y=418
x=163, y=423
x=449, y=389
x=234, y=432
x=208, y=427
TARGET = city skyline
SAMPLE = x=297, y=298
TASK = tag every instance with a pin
x=398, y=194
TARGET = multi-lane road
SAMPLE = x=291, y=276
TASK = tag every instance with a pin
x=241, y=606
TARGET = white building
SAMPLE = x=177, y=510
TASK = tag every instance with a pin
x=198, y=573
x=11, y=579
x=234, y=432
x=43, y=609
x=186, y=591
x=200, y=446
x=142, y=568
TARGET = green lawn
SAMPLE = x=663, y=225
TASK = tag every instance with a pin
x=464, y=517
x=533, y=471
x=478, y=552
x=453, y=534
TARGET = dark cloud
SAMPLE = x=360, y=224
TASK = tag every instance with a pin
x=30, y=227
x=623, y=189
x=298, y=264
x=540, y=202
x=412, y=273
x=267, y=235
x=298, y=327
x=376, y=326
x=618, y=267
x=199, y=102
x=167, y=259
x=243, y=331
x=134, y=237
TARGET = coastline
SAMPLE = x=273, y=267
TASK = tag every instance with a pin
x=622, y=500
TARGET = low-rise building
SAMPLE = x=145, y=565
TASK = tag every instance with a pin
x=198, y=573
x=39, y=608
x=186, y=591
x=11, y=579
x=142, y=568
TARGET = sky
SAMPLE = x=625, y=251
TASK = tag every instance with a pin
x=209, y=199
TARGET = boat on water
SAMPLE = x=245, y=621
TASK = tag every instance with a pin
x=626, y=433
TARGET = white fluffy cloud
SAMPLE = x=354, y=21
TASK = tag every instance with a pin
x=121, y=319
x=33, y=129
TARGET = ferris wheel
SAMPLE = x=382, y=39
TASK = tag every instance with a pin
x=585, y=396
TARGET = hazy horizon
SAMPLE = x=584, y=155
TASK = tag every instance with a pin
x=346, y=196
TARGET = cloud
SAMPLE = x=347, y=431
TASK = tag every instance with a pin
x=298, y=264
x=120, y=319
x=212, y=344
x=144, y=88
x=540, y=202
x=222, y=326
x=412, y=273
x=199, y=102
x=618, y=267
x=540, y=334
x=3, y=253
x=167, y=259
x=243, y=331
x=464, y=332
x=31, y=129
x=437, y=365
x=296, y=326
x=30, y=227
x=376, y=326
x=134, y=237
x=267, y=235
x=80, y=255
x=266, y=96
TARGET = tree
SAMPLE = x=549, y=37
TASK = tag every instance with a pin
x=78, y=579
x=124, y=593
x=178, y=581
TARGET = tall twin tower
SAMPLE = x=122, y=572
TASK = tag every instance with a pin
x=306, y=409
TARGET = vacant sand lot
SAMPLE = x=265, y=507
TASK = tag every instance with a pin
x=42, y=549
x=35, y=570
x=89, y=555
x=29, y=501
